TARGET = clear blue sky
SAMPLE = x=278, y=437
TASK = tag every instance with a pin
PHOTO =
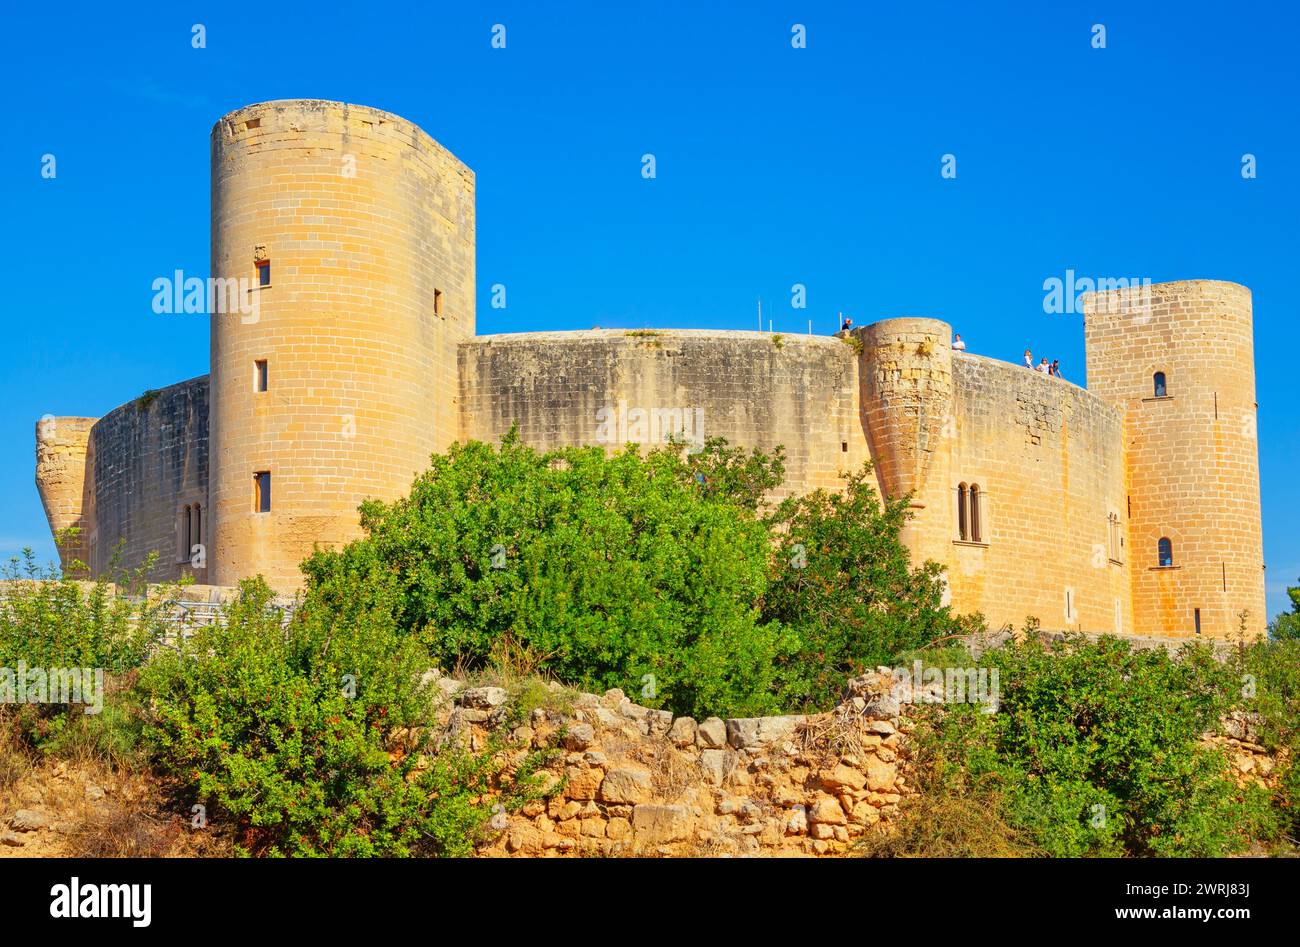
x=775, y=166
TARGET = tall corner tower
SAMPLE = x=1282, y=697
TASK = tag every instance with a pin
x=1179, y=359
x=907, y=404
x=354, y=233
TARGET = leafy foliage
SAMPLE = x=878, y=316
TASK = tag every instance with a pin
x=1095, y=750
x=652, y=574
x=1286, y=625
x=620, y=570
x=844, y=584
x=311, y=734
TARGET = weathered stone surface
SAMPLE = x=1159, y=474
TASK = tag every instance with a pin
x=656, y=824
x=880, y=775
x=843, y=777
x=712, y=733
x=583, y=782
x=755, y=732
x=28, y=820
x=827, y=809
x=484, y=698
x=579, y=736
x=626, y=785
x=682, y=732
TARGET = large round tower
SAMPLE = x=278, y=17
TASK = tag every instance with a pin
x=1179, y=359
x=352, y=233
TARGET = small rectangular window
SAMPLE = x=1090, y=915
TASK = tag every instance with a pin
x=437, y=302
x=1069, y=605
x=259, y=375
x=262, y=491
x=1198, y=620
x=263, y=272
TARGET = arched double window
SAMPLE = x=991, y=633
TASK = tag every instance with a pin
x=1165, y=552
x=1162, y=390
x=970, y=524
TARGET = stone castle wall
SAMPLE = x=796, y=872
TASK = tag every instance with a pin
x=1048, y=457
x=367, y=331
x=611, y=386
x=148, y=459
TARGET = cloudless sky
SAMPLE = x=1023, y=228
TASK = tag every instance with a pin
x=775, y=166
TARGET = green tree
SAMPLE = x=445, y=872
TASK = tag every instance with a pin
x=1286, y=625
x=618, y=571
x=843, y=582
x=310, y=734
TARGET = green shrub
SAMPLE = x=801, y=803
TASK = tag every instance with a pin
x=1096, y=750
x=1270, y=687
x=312, y=734
x=51, y=621
x=620, y=571
x=844, y=585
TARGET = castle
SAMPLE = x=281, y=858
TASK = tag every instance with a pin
x=1132, y=507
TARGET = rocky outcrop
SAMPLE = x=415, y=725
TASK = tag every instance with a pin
x=636, y=781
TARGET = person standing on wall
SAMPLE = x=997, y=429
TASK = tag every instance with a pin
x=957, y=344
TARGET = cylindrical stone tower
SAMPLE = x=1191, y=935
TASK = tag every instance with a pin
x=907, y=403
x=1178, y=358
x=354, y=233
x=62, y=458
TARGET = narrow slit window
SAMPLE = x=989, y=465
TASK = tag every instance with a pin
x=1196, y=614
x=263, y=273
x=1165, y=550
x=976, y=534
x=262, y=491
x=437, y=302
x=1162, y=390
x=183, y=526
x=259, y=375
x=963, y=530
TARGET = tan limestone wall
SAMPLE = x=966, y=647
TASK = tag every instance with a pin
x=149, y=458
x=1193, y=467
x=368, y=225
x=1048, y=458
x=755, y=389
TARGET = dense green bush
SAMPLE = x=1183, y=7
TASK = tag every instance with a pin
x=310, y=734
x=618, y=571
x=51, y=621
x=843, y=583
x=1270, y=687
x=1285, y=626
x=649, y=573
x=1096, y=750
